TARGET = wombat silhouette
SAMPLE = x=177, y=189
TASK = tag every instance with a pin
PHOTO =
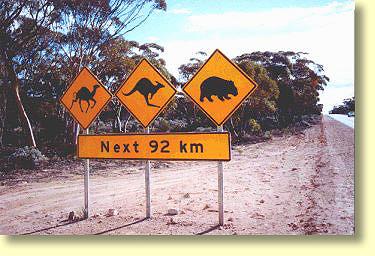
x=85, y=94
x=145, y=87
x=216, y=86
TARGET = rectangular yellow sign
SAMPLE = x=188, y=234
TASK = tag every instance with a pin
x=156, y=146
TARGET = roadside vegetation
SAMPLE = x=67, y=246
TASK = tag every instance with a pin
x=347, y=106
x=44, y=44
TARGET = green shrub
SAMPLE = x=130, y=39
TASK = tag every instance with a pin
x=27, y=158
x=163, y=125
x=254, y=126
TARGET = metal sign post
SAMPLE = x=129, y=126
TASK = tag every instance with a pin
x=147, y=181
x=220, y=186
x=87, y=176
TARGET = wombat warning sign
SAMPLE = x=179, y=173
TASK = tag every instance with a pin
x=219, y=87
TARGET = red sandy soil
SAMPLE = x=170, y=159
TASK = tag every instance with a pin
x=293, y=184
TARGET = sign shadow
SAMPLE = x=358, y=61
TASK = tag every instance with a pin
x=208, y=230
x=123, y=226
x=53, y=227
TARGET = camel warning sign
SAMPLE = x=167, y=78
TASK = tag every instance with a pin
x=85, y=97
x=219, y=87
x=145, y=93
x=157, y=146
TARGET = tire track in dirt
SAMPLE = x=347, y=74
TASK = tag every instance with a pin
x=309, y=223
x=324, y=215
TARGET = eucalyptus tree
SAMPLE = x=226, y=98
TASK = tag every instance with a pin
x=67, y=34
x=24, y=31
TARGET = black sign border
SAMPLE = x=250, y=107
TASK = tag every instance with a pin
x=156, y=133
x=162, y=108
x=67, y=88
x=238, y=105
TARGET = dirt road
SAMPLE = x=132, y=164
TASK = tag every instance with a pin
x=294, y=184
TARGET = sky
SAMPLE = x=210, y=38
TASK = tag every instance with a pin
x=323, y=28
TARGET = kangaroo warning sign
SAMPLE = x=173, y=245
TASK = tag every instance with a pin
x=85, y=98
x=145, y=93
x=219, y=87
x=153, y=146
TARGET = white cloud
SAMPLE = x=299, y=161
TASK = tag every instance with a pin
x=180, y=11
x=326, y=33
x=277, y=19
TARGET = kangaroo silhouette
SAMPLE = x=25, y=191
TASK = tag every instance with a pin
x=85, y=94
x=145, y=87
x=216, y=86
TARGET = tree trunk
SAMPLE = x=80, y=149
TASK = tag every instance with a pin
x=233, y=128
x=126, y=123
x=118, y=118
x=76, y=128
x=26, y=125
x=114, y=125
x=3, y=110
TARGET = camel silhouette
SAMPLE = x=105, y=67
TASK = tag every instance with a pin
x=86, y=95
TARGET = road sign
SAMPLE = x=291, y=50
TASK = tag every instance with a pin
x=156, y=146
x=219, y=87
x=85, y=97
x=145, y=93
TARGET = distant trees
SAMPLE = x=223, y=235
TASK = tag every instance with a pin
x=189, y=69
x=347, y=106
x=261, y=106
x=350, y=104
x=298, y=78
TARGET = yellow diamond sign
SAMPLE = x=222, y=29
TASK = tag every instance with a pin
x=219, y=87
x=145, y=93
x=85, y=98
